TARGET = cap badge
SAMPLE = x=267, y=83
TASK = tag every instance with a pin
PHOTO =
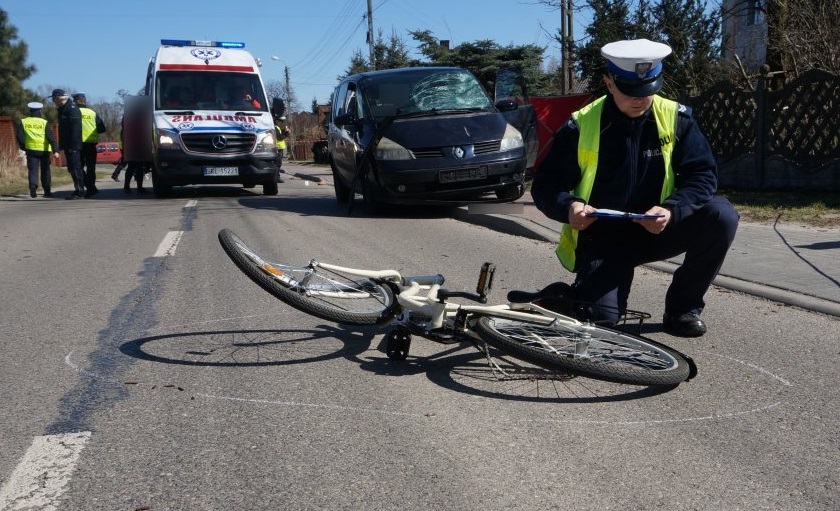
x=643, y=68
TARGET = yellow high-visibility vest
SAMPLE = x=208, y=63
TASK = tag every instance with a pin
x=281, y=143
x=588, y=120
x=89, y=132
x=35, y=134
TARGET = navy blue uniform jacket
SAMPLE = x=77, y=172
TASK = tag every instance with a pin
x=630, y=171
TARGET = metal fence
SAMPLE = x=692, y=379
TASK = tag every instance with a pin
x=783, y=139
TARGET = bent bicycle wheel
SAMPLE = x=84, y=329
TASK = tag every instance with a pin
x=325, y=294
x=587, y=350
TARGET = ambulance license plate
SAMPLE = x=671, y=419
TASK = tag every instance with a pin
x=221, y=171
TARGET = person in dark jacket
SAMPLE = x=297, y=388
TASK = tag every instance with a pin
x=70, y=139
x=633, y=151
x=35, y=138
x=92, y=126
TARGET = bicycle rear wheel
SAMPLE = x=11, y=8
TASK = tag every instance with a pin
x=587, y=350
x=322, y=293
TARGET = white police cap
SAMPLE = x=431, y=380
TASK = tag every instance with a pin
x=636, y=65
x=35, y=105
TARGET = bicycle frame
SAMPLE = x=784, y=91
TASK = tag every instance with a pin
x=441, y=312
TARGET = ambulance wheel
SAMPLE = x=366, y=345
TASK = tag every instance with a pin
x=160, y=187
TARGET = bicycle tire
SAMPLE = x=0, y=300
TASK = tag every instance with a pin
x=325, y=294
x=611, y=355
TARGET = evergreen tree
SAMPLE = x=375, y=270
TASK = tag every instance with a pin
x=485, y=57
x=691, y=32
x=694, y=37
x=13, y=70
x=610, y=22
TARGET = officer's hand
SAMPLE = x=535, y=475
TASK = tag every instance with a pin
x=577, y=215
x=655, y=225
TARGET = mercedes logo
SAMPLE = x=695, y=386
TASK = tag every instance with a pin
x=219, y=142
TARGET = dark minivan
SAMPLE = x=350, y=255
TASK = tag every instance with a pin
x=427, y=135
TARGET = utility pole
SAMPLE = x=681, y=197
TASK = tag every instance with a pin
x=566, y=38
x=291, y=142
x=370, y=34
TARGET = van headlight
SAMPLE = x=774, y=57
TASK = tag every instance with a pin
x=266, y=141
x=512, y=139
x=164, y=138
x=387, y=149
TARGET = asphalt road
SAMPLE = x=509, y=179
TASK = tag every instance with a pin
x=141, y=370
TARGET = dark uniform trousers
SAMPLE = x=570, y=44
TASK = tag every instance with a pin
x=39, y=162
x=74, y=167
x=605, y=273
x=89, y=165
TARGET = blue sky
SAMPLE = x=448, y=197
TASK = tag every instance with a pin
x=101, y=46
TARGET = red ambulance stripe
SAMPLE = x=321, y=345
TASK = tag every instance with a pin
x=204, y=67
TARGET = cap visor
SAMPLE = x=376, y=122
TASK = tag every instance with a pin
x=639, y=90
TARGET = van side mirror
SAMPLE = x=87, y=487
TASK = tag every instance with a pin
x=506, y=105
x=344, y=120
x=278, y=107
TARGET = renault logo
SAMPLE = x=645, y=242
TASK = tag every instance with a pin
x=458, y=152
x=219, y=142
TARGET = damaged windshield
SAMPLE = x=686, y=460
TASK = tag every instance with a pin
x=424, y=91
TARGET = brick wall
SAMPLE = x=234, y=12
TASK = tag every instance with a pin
x=8, y=143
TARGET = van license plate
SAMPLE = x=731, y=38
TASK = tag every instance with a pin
x=221, y=171
x=456, y=175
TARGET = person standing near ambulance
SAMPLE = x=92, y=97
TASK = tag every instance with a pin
x=92, y=126
x=70, y=139
x=282, y=132
x=637, y=152
x=36, y=139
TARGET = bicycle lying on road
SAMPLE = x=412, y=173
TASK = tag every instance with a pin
x=525, y=328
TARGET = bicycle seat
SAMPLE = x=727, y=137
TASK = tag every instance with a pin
x=558, y=297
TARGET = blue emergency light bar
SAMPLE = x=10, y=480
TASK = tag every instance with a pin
x=213, y=44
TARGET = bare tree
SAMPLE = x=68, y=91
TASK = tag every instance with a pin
x=807, y=36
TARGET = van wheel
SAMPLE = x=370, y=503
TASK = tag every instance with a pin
x=510, y=193
x=342, y=191
x=270, y=188
x=161, y=188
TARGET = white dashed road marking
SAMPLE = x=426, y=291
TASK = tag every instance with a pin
x=169, y=243
x=40, y=478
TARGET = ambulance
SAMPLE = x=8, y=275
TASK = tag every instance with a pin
x=211, y=121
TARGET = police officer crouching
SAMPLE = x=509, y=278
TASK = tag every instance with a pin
x=635, y=151
x=35, y=138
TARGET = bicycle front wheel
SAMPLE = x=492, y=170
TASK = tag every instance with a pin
x=587, y=350
x=322, y=293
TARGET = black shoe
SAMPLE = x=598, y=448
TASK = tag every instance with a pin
x=48, y=194
x=141, y=190
x=74, y=197
x=127, y=190
x=115, y=177
x=688, y=324
x=32, y=193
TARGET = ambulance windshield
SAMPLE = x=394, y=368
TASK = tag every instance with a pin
x=200, y=90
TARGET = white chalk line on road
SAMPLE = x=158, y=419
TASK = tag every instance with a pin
x=41, y=477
